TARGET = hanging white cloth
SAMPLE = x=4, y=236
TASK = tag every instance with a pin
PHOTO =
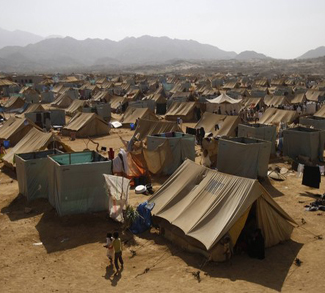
x=118, y=194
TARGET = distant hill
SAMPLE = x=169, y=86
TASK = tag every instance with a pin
x=315, y=53
x=17, y=38
x=250, y=55
x=65, y=53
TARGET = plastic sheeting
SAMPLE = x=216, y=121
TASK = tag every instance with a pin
x=78, y=188
x=31, y=173
x=305, y=142
x=244, y=157
x=182, y=147
x=118, y=193
x=259, y=131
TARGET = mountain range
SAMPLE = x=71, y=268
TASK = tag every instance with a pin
x=315, y=53
x=29, y=52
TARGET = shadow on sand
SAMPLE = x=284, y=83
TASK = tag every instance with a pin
x=112, y=276
x=267, y=184
x=62, y=233
x=270, y=272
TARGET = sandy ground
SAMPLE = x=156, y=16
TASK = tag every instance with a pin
x=71, y=257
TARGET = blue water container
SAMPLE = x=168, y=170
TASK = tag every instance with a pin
x=6, y=144
x=132, y=126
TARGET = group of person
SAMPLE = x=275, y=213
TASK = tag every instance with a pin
x=114, y=250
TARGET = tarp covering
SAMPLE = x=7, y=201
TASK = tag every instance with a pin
x=205, y=204
x=76, y=106
x=31, y=173
x=182, y=147
x=86, y=124
x=184, y=110
x=132, y=114
x=148, y=127
x=259, y=131
x=76, y=182
x=244, y=157
x=14, y=129
x=117, y=189
x=305, y=142
x=33, y=141
x=159, y=158
x=219, y=124
x=275, y=116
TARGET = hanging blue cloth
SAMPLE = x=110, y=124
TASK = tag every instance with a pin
x=143, y=222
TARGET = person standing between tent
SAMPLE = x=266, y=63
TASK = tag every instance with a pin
x=110, y=248
x=117, y=245
x=226, y=247
x=2, y=150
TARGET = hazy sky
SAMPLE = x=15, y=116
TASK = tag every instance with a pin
x=277, y=28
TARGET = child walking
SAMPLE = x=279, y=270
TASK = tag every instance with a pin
x=109, y=246
x=117, y=244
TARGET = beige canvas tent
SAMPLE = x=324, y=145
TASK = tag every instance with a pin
x=251, y=103
x=76, y=106
x=241, y=156
x=15, y=129
x=305, y=142
x=33, y=141
x=102, y=96
x=225, y=103
x=132, y=114
x=86, y=124
x=218, y=125
x=63, y=101
x=183, y=110
x=34, y=108
x=275, y=116
x=118, y=102
x=196, y=207
x=321, y=112
x=315, y=96
x=275, y=101
x=14, y=103
x=299, y=99
x=148, y=127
